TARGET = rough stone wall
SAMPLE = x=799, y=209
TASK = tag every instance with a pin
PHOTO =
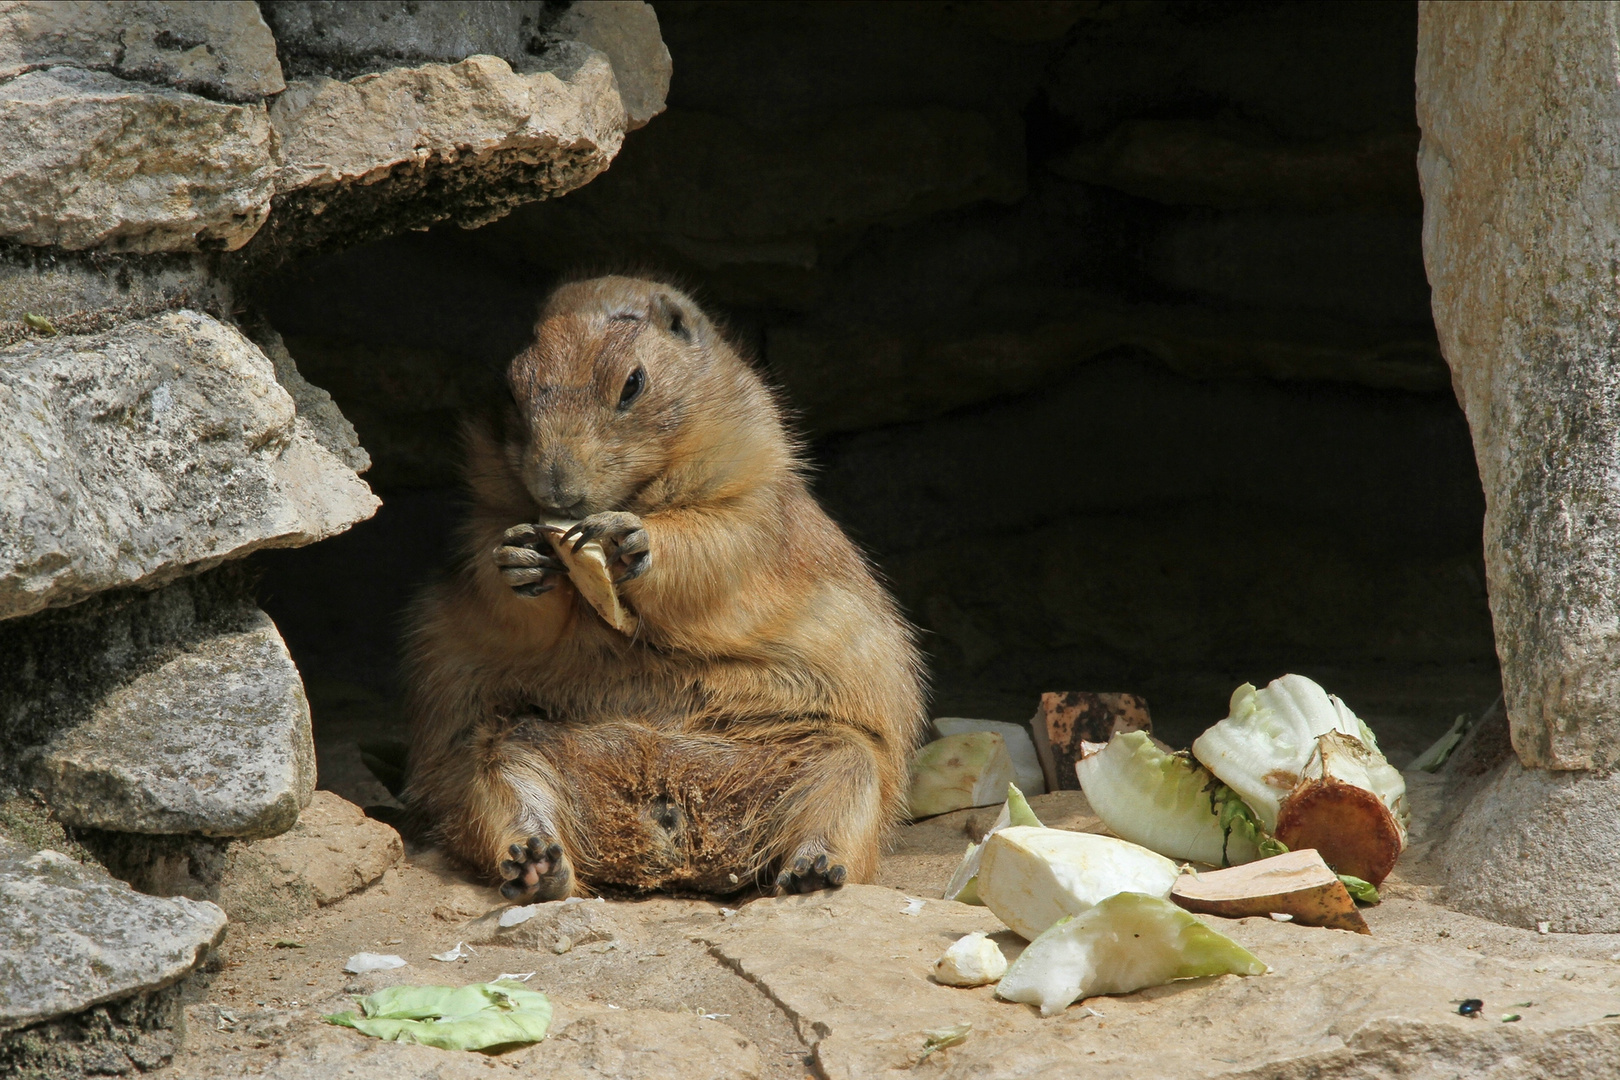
x=155, y=159
x=1520, y=107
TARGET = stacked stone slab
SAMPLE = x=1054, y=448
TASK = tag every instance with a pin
x=1520, y=162
x=154, y=156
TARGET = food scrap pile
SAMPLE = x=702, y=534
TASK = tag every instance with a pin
x=1285, y=808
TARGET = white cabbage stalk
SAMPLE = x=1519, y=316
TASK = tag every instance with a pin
x=958, y=772
x=963, y=885
x=1127, y=942
x=1263, y=746
x=1032, y=877
x=974, y=960
x=1168, y=803
x=1020, y=747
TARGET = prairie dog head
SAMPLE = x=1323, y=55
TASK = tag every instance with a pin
x=630, y=395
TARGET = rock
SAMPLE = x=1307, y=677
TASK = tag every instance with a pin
x=69, y=144
x=222, y=48
x=1536, y=846
x=85, y=294
x=71, y=937
x=315, y=407
x=408, y=147
x=626, y=31
x=343, y=40
x=139, y=453
x=335, y=849
x=1520, y=110
x=853, y=974
x=214, y=740
x=545, y=925
x=1064, y=720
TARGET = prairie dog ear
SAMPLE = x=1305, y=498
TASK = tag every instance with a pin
x=674, y=317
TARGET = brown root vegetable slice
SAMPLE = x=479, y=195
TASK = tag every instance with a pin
x=1298, y=883
x=1349, y=825
x=588, y=573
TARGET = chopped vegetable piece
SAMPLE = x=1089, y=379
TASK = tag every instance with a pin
x=1298, y=884
x=1127, y=942
x=588, y=573
x=1032, y=877
x=481, y=1016
x=972, y=961
x=1168, y=803
x=963, y=885
x=1362, y=892
x=1312, y=774
x=959, y=771
x=1026, y=766
x=941, y=1038
x=1435, y=756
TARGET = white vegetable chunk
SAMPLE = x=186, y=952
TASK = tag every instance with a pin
x=1168, y=803
x=964, y=885
x=1127, y=942
x=1032, y=877
x=1020, y=747
x=1269, y=736
x=959, y=771
x=974, y=960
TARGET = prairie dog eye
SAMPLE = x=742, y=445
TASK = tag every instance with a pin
x=632, y=388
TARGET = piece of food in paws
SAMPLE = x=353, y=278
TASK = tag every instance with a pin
x=588, y=570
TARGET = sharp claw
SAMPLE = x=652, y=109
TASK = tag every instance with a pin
x=532, y=590
x=820, y=865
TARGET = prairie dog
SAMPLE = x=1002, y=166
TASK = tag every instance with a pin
x=755, y=726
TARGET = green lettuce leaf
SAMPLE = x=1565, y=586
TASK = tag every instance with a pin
x=481, y=1016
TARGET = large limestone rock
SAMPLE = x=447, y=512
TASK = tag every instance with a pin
x=332, y=132
x=341, y=40
x=222, y=48
x=215, y=740
x=138, y=454
x=1520, y=160
x=175, y=710
x=89, y=160
x=71, y=937
x=408, y=147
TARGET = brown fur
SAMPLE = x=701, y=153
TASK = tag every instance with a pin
x=766, y=707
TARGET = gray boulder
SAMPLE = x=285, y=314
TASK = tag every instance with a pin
x=175, y=710
x=216, y=740
x=222, y=48
x=163, y=446
x=91, y=160
x=72, y=938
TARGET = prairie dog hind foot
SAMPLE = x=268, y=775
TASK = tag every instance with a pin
x=811, y=869
x=538, y=870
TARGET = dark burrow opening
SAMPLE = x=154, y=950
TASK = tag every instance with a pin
x=1107, y=325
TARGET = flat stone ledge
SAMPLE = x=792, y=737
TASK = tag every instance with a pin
x=72, y=937
x=214, y=741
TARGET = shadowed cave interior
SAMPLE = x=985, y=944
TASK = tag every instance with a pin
x=1106, y=324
